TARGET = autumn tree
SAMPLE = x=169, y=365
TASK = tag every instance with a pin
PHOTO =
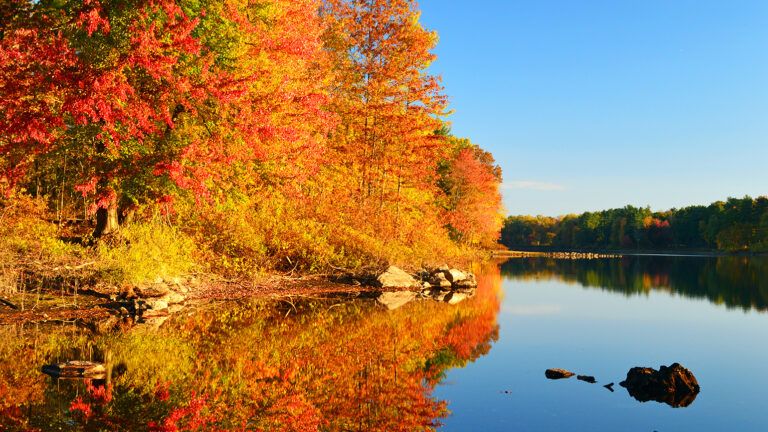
x=145, y=98
x=389, y=106
x=471, y=179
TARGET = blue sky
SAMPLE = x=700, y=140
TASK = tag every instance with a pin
x=596, y=104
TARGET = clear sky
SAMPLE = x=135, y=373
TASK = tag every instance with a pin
x=589, y=105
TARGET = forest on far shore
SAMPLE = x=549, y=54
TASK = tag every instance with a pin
x=737, y=224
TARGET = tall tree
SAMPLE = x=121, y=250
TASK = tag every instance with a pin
x=389, y=106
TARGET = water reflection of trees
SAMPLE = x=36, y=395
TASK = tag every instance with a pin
x=287, y=366
x=736, y=282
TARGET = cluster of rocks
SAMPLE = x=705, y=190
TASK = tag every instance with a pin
x=555, y=374
x=442, y=284
x=152, y=303
x=557, y=255
x=674, y=385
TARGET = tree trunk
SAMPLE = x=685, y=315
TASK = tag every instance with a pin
x=106, y=221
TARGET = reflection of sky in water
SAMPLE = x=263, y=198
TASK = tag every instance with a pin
x=548, y=323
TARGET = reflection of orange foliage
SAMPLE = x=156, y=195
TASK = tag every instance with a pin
x=294, y=414
x=306, y=366
x=81, y=407
x=469, y=337
x=192, y=417
x=99, y=394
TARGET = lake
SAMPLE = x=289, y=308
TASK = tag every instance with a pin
x=346, y=363
x=602, y=317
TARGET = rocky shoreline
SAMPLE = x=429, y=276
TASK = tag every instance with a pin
x=443, y=284
x=106, y=308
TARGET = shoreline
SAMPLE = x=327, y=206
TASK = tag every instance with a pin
x=602, y=253
x=103, y=307
x=99, y=309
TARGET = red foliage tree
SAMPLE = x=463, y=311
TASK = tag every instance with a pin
x=471, y=183
x=158, y=95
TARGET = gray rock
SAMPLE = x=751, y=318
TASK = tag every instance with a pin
x=173, y=298
x=468, y=282
x=156, y=304
x=455, y=275
x=151, y=291
x=439, y=280
x=395, y=277
x=395, y=299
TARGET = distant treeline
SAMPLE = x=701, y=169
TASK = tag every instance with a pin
x=733, y=281
x=738, y=224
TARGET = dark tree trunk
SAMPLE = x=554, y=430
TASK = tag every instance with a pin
x=106, y=221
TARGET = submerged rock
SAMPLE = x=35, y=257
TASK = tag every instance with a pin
x=673, y=385
x=76, y=369
x=394, y=277
x=396, y=299
x=558, y=373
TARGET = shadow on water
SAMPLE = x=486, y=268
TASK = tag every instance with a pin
x=736, y=282
x=311, y=364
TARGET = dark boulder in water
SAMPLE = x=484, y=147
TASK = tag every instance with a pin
x=673, y=385
x=586, y=378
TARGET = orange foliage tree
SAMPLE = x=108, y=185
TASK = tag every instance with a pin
x=385, y=147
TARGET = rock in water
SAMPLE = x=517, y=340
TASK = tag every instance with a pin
x=558, y=373
x=586, y=378
x=396, y=299
x=394, y=277
x=673, y=385
x=76, y=369
x=440, y=281
x=469, y=282
x=456, y=297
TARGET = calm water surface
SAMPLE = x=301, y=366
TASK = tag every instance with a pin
x=600, y=318
x=349, y=364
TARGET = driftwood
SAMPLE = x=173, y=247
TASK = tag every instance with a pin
x=9, y=304
x=76, y=369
